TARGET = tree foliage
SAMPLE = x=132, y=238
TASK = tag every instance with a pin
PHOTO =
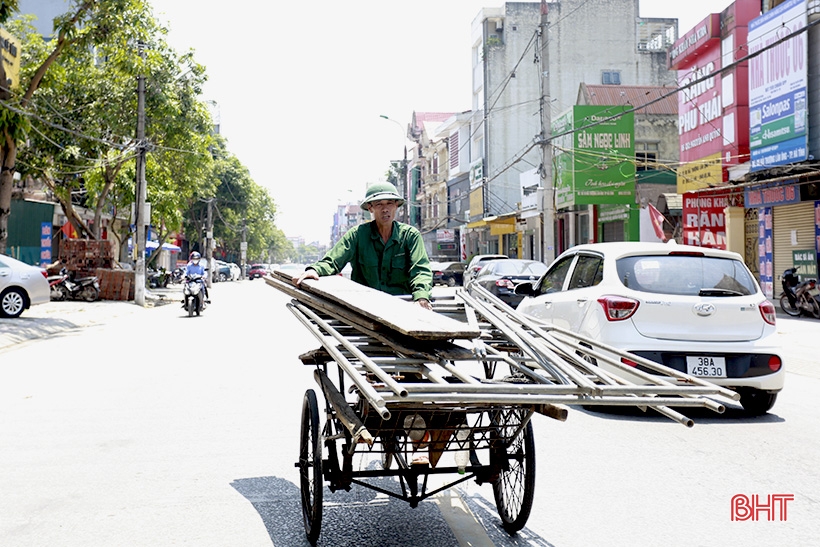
x=72, y=126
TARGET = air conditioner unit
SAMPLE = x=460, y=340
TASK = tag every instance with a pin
x=499, y=26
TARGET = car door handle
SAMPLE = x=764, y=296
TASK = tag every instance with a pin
x=582, y=301
x=548, y=304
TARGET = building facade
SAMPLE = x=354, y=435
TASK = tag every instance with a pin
x=598, y=42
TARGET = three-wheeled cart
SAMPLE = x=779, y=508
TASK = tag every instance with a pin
x=449, y=394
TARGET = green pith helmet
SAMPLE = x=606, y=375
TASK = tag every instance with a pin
x=382, y=190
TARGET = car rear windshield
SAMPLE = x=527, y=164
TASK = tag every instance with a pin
x=686, y=275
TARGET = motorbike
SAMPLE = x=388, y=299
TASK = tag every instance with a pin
x=157, y=278
x=193, y=291
x=799, y=296
x=65, y=286
x=177, y=276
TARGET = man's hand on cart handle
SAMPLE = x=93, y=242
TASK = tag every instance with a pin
x=424, y=303
x=307, y=274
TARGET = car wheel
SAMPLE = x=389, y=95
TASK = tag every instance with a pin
x=12, y=303
x=451, y=282
x=756, y=402
x=585, y=356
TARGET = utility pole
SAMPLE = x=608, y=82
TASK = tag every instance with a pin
x=139, y=209
x=548, y=194
x=209, y=246
x=243, y=250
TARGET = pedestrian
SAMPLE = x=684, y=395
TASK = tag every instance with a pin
x=384, y=254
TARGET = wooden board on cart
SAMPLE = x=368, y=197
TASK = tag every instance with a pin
x=397, y=314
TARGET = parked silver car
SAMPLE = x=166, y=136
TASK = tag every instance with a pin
x=21, y=286
x=697, y=310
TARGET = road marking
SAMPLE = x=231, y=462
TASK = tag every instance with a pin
x=465, y=526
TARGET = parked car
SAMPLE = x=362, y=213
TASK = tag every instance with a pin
x=448, y=273
x=500, y=277
x=222, y=271
x=21, y=286
x=257, y=270
x=236, y=271
x=476, y=263
x=694, y=309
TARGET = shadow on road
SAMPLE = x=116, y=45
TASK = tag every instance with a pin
x=734, y=415
x=364, y=517
x=349, y=519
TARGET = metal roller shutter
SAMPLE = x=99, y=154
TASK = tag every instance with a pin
x=785, y=220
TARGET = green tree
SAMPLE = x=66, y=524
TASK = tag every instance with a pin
x=90, y=23
x=78, y=145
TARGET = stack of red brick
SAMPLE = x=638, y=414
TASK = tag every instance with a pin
x=82, y=257
x=116, y=284
x=87, y=257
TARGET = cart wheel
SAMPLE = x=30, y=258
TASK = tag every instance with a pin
x=516, y=482
x=310, y=467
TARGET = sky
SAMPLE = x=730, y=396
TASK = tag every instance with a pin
x=301, y=86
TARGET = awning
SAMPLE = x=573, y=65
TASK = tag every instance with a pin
x=151, y=245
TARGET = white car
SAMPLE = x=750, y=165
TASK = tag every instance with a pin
x=693, y=309
x=21, y=286
x=236, y=272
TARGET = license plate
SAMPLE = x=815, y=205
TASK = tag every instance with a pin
x=814, y=292
x=706, y=367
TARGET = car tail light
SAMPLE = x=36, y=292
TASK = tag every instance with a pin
x=506, y=283
x=628, y=362
x=45, y=273
x=767, y=312
x=618, y=308
x=686, y=253
x=775, y=363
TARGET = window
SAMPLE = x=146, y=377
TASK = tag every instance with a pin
x=588, y=272
x=646, y=155
x=553, y=281
x=611, y=77
x=685, y=275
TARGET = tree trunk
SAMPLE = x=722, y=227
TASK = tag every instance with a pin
x=8, y=153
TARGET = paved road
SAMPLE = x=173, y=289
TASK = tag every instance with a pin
x=188, y=438
x=799, y=335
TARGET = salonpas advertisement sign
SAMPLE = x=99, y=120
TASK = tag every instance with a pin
x=594, y=156
x=777, y=86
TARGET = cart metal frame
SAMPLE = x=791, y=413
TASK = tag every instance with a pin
x=393, y=398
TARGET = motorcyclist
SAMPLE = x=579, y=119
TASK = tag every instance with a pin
x=195, y=268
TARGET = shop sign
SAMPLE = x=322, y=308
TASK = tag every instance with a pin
x=700, y=120
x=704, y=173
x=806, y=263
x=778, y=86
x=444, y=235
x=704, y=220
x=595, y=163
x=770, y=197
x=765, y=251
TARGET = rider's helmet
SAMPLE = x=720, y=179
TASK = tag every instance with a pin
x=195, y=256
x=380, y=191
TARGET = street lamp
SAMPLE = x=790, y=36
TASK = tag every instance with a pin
x=402, y=171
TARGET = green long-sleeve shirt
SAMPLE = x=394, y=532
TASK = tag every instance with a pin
x=400, y=266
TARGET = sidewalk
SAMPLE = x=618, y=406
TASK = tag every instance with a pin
x=58, y=317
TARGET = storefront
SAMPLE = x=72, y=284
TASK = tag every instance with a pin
x=788, y=230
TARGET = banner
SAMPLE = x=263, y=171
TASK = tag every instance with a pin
x=778, y=79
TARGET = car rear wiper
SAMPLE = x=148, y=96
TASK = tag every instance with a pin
x=719, y=292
